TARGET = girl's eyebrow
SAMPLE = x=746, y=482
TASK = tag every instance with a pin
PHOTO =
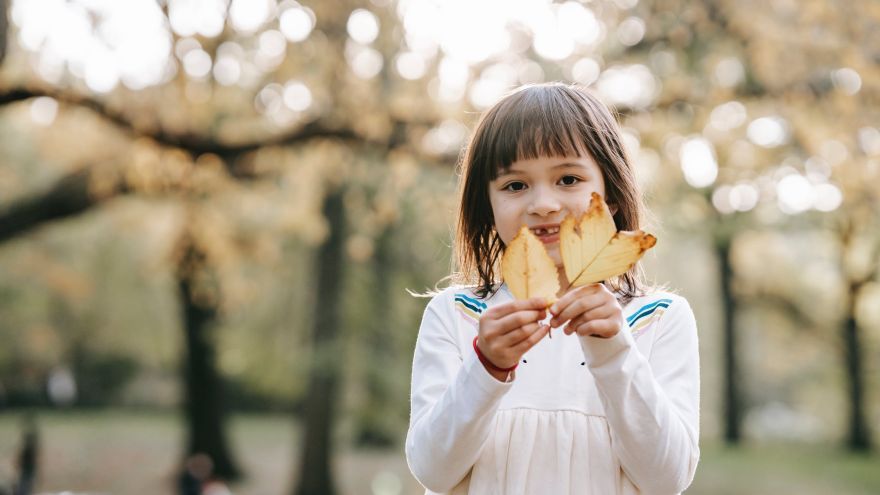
x=570, y=164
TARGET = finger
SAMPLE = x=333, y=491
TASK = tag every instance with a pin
x=502, y=310
x=573, y=295
x=532, y=339
x=587, y=301
x=514, y=337
x=602, y=312
x=599, y=328
x=575, y=309
x=519, y=319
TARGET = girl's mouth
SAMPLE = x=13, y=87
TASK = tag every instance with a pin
x=547, y=235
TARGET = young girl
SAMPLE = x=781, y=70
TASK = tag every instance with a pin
x=610, y=405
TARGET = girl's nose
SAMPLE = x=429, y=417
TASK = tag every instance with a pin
x=543, y=203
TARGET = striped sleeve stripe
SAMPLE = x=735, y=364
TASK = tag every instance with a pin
x=473, y=304
x=647, y=310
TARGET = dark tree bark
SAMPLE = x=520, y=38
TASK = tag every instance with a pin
x=859, y=434
x=4, y=28
x=732, y=400
x=373, y=421
x=315, y=476
x=859, y=431
x=69, y=196
x=204, y=403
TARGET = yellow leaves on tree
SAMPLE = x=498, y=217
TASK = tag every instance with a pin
x=592, y=251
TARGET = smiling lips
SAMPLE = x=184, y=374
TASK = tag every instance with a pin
x=546, y=233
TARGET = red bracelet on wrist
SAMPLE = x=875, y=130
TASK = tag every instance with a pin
x=483, y=359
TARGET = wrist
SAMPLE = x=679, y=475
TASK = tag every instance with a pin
x=494, y=370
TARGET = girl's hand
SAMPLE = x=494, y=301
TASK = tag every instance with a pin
x=508, y=330
x=590, y=310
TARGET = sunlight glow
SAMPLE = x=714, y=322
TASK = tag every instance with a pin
x=410, y=65
x=629, y=86
x=698, y=162
x=101, y=74
x=297, y=23
x=794, y=194
x=827, y=197
x=631, y=31
x=529, y=72
x=297, y=96
x=227, y=70
x=247, y=16
x=847, y=80
x=43, y=110
x=204, y=17
x=834, y=152
x=272, y=44
x=270, y=99
x=364, y=61
x=579, y=23
x=197, y=63
x=494, y=81
x=363, y=26
x=728, y=116
x=869, y=140
x=729, y=72
x=768, y=132
x=446, y=138
x=100, y=42
x=586, y=71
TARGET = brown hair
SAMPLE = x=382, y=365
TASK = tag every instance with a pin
x=550, y=119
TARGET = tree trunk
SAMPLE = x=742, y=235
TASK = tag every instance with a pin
x=376, y=413
x=859, y=435
x=4, y=28
x=315, y=477
x=732, y=402
x=205, y=406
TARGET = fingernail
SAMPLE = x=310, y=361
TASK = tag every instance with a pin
x=554, y=309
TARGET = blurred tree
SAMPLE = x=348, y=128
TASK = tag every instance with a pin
x=203, y=397
x=223, y=88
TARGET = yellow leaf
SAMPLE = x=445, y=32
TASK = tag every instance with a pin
x=527, y=268
x=592, y=249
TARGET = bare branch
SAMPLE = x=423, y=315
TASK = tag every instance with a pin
x=73, y=194
x=197, y=144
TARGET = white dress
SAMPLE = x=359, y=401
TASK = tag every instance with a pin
x=580, y=415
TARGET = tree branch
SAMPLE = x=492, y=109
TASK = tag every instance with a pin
x=197, y=144
x=73, y=194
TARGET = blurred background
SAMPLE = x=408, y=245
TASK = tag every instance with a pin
x=212, y=211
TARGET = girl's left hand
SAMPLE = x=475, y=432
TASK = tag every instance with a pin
x=590, y=310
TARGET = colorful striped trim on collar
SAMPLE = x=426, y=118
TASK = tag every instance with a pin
x=469, y=306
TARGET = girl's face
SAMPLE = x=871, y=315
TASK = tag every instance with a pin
x=540, y=192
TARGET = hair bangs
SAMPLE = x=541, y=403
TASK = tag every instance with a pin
x=533, y=124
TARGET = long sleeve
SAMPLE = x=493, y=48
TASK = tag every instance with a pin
x=453, y=402
x=652, y=403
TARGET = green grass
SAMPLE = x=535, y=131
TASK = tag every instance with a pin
x=123, y=452
x=777, y=469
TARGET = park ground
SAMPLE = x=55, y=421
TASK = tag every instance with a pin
x=136, y=453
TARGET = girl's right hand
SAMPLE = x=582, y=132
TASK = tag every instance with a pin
x=508, y=330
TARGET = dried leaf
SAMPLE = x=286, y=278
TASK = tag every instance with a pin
x=527, y=268
x=592, y=249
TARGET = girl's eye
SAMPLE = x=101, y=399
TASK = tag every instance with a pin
x=515, y=186
x=569, y=180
